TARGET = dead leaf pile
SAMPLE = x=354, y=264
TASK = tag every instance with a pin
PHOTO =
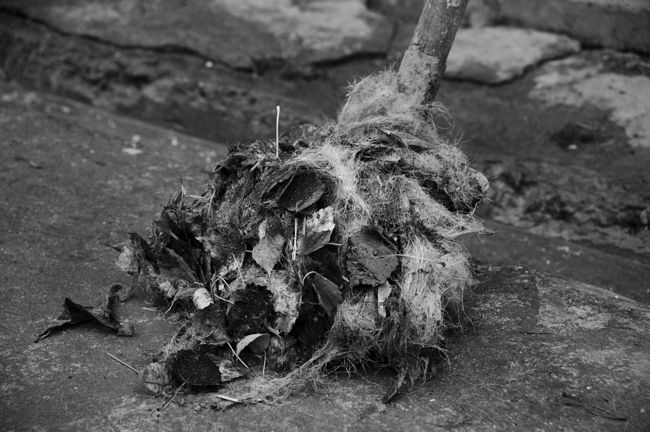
x=337, y=251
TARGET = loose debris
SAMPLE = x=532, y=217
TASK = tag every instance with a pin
x=123, y=363
x=74, y=314
x=332, y=248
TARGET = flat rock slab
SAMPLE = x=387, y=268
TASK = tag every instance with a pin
x=579, y=81
x=618, y=24
x=539, y=353
x=239, y=33
x=497, y=54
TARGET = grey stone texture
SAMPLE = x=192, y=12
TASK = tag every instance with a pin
x=618, y=24
x=238, y=33
x=497, y=54
x=536, y=353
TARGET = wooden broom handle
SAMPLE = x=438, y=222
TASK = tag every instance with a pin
x=425, y=60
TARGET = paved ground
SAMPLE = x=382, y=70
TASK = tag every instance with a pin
x=537, y=352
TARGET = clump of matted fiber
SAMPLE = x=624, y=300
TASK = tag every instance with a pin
x=337, y=251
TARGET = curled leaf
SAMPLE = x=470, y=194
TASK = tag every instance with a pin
x=74, y=314
x=328, y=293
x=257, y=342
x=317, y=231
x=268, y=251
x=293, y=189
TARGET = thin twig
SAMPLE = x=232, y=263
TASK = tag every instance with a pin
x=170, y=306
x=227, y=398
x=239, y=264
x=264, y=365
x=215, y=295
x=123, y=363
x=536, y=333
x=172, y=398
x=277, y=132
x=237, y=356
x=224, y=299
x=272, y=330
x=259, y=162
x=442, y=263
x=295, y=238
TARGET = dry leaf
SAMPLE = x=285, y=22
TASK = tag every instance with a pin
x=74, y=314
x=317, y=231
x=268, y=251
x=257, y=342
x=370, y=261
x=155, y=378
x=328, y=293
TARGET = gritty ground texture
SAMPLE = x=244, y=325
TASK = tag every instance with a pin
x=536, y=352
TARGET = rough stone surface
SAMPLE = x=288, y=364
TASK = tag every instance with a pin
x=239, y=33
x=496, y=54
x=577, y=81
x=625, y=274
x=539, y=353
x=499, y=124
x=179, y=90
x=568, y=202
x=401, y=10
x=618, y=24
x=577, y=155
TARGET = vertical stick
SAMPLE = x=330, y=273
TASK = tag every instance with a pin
x=277, y=131
x=425, y=60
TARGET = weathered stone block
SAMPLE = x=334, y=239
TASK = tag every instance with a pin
x=618, y=24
